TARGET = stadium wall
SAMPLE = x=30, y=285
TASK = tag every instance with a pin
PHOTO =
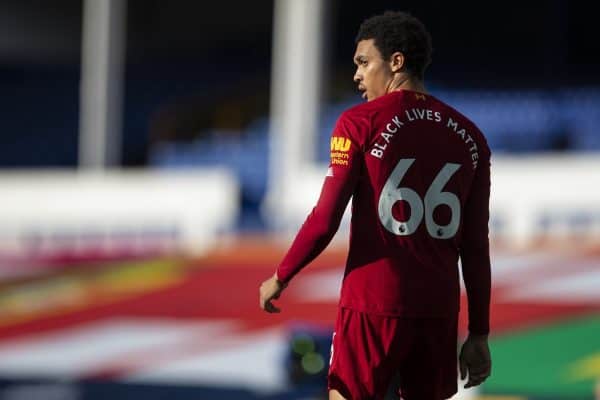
x=81, y=214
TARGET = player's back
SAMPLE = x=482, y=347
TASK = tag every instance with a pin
x=420, y=158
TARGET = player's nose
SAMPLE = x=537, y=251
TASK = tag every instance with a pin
x=357, y=78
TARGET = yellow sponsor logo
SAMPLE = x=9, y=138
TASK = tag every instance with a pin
x=340, y=144
x=420, y=96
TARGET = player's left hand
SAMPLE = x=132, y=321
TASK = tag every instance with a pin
x=270, y=290
x=475, y=360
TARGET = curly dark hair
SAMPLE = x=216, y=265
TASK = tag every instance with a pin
x=399, y=31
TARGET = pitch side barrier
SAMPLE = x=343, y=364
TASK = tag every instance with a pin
x=67, y=214
x=551, y=196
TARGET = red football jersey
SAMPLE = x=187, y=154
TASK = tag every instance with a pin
x=418, y=173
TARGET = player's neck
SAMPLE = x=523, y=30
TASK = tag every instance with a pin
x=407, y=82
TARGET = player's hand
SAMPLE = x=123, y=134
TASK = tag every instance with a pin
x=475, y=359
x=270, y=290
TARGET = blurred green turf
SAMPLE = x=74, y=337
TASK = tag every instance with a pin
x=561, y=360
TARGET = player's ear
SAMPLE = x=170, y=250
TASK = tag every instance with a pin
x=396, y=61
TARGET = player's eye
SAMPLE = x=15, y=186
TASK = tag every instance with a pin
x=361, y=62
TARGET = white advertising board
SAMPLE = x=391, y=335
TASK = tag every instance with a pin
x=46, y=212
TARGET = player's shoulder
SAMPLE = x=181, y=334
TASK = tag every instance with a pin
x=357, y=112
x=356, y=119
x=458, y=120
x=369, y=108
x=383, y=105
x=363, y=115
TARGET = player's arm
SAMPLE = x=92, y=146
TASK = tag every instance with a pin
x=324, y=220
x=320, y=226
x=475, y=250
x=475, y=258
x=314, y=236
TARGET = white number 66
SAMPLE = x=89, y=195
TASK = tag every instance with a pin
x=434, y=197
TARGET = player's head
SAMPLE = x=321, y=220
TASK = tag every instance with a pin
x=390, y=47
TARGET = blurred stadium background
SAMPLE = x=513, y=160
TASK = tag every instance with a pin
x=158, y=156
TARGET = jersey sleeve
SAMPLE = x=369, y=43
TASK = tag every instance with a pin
x=475, y=249
x=322, y=223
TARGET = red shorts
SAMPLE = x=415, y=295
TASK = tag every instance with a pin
x=369, y=351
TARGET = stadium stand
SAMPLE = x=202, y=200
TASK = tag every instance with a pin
x=515, y=122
